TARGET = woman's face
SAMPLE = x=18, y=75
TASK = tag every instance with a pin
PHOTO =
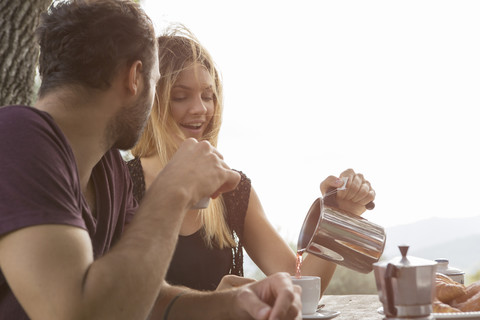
x=192, y=101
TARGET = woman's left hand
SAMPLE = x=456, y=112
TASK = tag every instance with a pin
x=231, y=281
x=357, y=194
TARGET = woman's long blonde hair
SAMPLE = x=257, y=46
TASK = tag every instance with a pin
x=178, y=49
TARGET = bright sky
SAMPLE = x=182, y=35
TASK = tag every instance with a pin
x=388, y=88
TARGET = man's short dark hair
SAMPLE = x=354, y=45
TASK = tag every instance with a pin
x=84, y=42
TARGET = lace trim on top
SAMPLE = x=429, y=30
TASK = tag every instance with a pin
x=138, y=179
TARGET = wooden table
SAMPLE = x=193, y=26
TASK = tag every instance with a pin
x=353, y=307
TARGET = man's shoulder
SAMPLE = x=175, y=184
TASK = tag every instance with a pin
x=22, y=110
x=31, y=136
x=21, y=117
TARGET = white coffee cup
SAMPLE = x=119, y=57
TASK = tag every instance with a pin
x=311, y=288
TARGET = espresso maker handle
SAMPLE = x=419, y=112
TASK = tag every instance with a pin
x=390, y=273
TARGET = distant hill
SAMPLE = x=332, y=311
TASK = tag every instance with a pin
x=457, y=240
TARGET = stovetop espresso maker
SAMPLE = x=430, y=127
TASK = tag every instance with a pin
x=406, y=286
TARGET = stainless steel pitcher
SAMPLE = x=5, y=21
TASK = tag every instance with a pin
x=344, y=238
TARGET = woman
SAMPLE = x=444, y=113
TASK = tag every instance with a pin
x=189, y=104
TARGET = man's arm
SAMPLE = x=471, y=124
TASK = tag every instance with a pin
x=51, y=270
x=272, y=298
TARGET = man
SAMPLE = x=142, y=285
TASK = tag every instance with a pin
x=65, y=194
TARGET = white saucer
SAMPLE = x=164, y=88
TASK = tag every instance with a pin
x=475, y=315
x=321, y=314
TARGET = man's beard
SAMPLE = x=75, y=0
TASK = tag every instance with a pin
x=126, y=128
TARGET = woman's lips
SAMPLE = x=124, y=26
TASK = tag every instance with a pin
x=194, y=130
x=192, y=126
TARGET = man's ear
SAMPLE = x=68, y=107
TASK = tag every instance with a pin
x=134, y=77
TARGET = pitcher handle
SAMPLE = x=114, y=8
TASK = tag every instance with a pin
x=390, y=273
x=330, y=200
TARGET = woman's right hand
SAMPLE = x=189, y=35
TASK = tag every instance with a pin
x=357, y=194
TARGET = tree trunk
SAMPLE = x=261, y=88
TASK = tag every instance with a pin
x=18, y=49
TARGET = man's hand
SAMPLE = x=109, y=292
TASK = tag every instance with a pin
x=274, y=297
x=198, y=169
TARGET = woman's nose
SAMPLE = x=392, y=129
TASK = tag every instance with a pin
x=198, y=106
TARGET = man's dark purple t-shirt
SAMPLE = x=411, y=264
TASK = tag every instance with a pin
x=39, y=184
